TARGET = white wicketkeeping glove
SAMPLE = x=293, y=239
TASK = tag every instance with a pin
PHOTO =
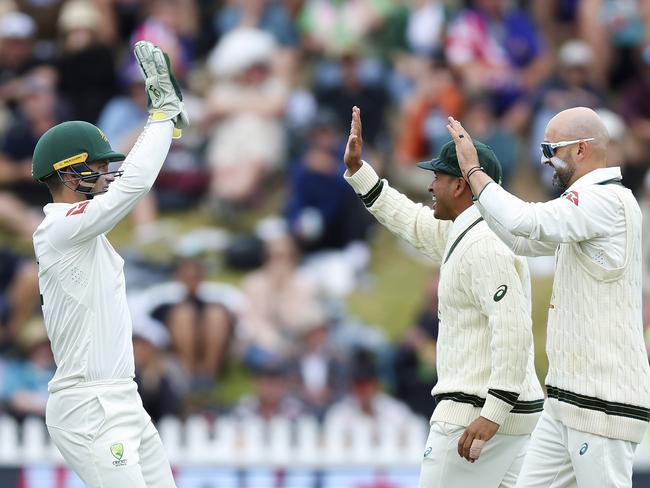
x=165, y=99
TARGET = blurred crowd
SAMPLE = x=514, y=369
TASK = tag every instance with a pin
x=269, y=85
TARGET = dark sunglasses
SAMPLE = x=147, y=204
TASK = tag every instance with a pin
x=548, y=148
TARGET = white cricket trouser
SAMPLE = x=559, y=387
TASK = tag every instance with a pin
x=560, y=457
x=106, y=436
x=497, y=467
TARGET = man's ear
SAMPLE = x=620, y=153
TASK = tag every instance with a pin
x=582, y=149
x=460, y=186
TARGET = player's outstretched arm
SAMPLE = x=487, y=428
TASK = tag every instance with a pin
x=411, y=221
x=143, y=163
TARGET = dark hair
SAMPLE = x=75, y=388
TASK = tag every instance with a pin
x=363, y=365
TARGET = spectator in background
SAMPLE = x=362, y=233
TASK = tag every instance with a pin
x=37, y=112
x=24, y=390
x=198, y=315
x=497, y=49
x=44, y=13
x=635, y=102
x=353, y=89
x=480, y=117
x=173, y=26
x=366, y=400
x=319, y=366
x=425, y=27
x=624, y=151
x=268, y=16
x=19, y=294
x=572, y=84
x=323, y=213
x=616, y=30
x=17, y=33
x=160, y=380
x=331, y=27
x=276, y=300
x=265, y=15
x=557, y=19
x=122, y=117
x=86, y=91
x=245, y=105
x=272, y=397
x=414, y=364
x=434, y=96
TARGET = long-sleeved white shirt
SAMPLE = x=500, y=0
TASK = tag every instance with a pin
x=81, y=277
x=587, y=213
x=598, y=379
x=485, y=359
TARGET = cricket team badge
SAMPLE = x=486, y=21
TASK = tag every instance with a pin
x=117, y=450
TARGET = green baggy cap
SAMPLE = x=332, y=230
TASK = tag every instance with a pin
x=447, y=161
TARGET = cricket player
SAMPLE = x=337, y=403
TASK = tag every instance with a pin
x=598, y=382
x=94, y=413
x=488, y=396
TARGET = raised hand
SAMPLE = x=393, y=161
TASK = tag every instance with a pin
x=465, y=150
x=163, y=93
x=354, y=148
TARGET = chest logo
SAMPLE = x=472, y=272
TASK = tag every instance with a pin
x=77, y=209
x=500, y=293
x=584, y=448
x=572, y=196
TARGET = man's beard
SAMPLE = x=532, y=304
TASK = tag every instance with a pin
x=563, y=173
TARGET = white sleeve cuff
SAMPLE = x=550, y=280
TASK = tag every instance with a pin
x=495, y=410
x=363, y=180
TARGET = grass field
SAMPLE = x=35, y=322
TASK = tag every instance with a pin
x=390, y=300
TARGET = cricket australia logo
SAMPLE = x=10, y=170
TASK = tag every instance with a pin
x=117, y=450
x=103, y=136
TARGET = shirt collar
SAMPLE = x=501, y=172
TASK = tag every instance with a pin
x=466, y=218
x=53, y=207
x=595, y=176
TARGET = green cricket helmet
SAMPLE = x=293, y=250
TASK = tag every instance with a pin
x=68, y=148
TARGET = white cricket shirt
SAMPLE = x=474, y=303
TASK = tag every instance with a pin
x=81, y=277
x=587, y=212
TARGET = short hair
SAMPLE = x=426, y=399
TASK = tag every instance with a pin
x=53, y=182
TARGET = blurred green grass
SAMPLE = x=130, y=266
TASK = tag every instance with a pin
x=390, y=299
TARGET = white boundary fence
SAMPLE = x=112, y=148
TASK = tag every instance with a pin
x=255, y=443
x=251, y=443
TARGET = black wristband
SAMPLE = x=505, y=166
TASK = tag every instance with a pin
x=472, y=171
